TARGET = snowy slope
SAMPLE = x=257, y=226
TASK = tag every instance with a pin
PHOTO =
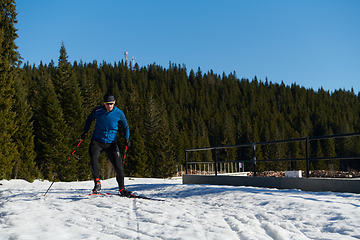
x=188, y=212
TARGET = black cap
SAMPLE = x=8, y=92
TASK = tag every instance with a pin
x=109, y=98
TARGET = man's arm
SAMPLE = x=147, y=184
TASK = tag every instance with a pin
x=89, y=120
x=125, y=126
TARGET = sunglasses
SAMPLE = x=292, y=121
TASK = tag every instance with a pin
x=109, y=103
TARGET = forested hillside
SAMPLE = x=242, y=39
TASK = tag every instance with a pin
x=169, y=111
x=43, y=109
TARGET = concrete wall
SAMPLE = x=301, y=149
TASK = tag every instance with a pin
x=351, y=185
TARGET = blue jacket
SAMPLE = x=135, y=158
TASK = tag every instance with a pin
x=106, y=126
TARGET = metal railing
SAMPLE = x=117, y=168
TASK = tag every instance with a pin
x=254, y=160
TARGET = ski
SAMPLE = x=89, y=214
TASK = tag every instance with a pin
x=93, y=194
x=96, y=193
x=136, y=196
x=118, y=194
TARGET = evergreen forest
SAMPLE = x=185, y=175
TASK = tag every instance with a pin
x=43, y=109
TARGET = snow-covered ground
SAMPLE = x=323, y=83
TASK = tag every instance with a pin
x=188, y=212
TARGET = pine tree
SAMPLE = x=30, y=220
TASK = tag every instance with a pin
x=329, y=151
x=151, y=137
x=161, y=162
x=202, y=138
x=319, y=164
x=90, y=92
x=229, y=136
x=69, y=95
x=165, y=162
x=138, y=159
x=91, y=97
x=25, y=165
x=8, y=61
x=178, y=141
x=52, y=134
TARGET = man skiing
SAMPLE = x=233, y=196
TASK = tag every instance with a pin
x=108, y=117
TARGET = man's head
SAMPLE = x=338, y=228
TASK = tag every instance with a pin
x=109, y=102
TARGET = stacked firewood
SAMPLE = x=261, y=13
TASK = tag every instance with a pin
x=315, y=174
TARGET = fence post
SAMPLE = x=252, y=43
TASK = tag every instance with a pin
x=186, y=163
x=307, y=157
x=215, y=162
x=254, y=159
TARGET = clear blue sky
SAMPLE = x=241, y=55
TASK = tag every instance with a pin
x=313, y=43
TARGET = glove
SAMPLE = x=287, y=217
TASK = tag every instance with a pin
x=83, y=136
x=127, y=143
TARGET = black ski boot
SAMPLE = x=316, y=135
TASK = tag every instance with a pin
x=97, y=186
x=126, y=193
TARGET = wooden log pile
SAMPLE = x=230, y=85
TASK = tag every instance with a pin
x=314, y=174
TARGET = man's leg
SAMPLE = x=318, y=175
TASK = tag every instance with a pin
x=114, y=156
x=94, y=153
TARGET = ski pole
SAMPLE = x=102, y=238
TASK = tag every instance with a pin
x=125, y=154
x=63, y=167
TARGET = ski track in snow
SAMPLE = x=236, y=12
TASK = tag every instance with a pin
x=188, y=212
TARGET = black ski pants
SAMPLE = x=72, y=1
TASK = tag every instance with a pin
x=114, y=156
